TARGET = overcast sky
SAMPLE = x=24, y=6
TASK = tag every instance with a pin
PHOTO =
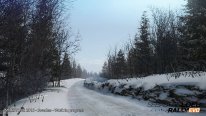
x=104, y=24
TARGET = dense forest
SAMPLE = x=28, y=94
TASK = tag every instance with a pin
x=166, y=43
x=36, y=47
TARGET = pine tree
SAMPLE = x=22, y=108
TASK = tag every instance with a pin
x=130, y=62
x=193, y=42
x=13, y=34
x=66, y=67
x=105, y=70
x=120, y=65
x=110, y=64
x=142, y=48
x=55, y=67
x=74, y=69
x=79, y=71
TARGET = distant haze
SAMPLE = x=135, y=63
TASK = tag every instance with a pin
x=104, y=24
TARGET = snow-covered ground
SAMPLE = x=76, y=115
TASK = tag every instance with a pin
x=50, y=99
x=80, y=101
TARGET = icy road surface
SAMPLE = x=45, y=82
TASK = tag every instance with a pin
x=80, y=101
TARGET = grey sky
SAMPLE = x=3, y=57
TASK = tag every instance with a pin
x=104, y=24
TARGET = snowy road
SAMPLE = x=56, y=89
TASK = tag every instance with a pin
x=97, y=104
x=74, y=96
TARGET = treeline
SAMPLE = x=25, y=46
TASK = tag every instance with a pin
x=70, y=69
x=165, y=43
x=33, y=41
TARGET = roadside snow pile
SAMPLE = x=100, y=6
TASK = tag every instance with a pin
x=165, y=88
x=50, y=102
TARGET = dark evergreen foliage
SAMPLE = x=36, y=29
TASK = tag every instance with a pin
x=193, y=39
x=32, y=42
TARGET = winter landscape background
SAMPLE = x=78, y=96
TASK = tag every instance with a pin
x=105, y=58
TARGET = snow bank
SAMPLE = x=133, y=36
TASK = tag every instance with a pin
x=165, y=88
x=149, y=82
